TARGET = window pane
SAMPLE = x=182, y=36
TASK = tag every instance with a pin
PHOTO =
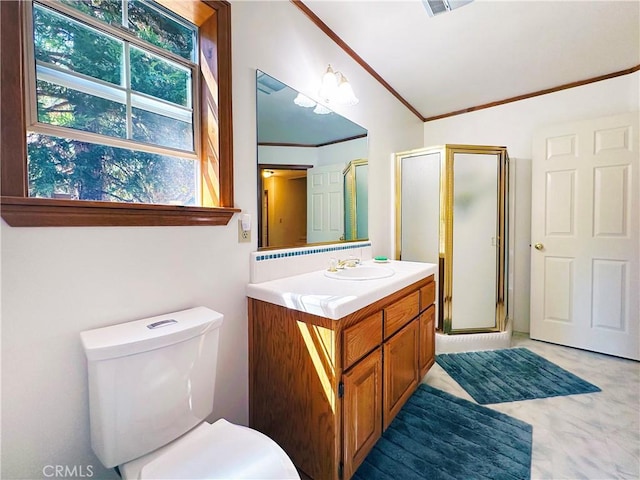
x=70, y=108
x=73, y=46
x=161, y=79
x=109, y=11
x=160, y=130
x=64, y=168
x=159, y=29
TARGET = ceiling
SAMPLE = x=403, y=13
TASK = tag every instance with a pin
x=487, y=51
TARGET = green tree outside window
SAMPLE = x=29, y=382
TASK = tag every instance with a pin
x=93, y=82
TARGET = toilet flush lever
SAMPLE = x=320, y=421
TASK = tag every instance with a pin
x=161, y=323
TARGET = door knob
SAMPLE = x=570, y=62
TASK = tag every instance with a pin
x=539, y=246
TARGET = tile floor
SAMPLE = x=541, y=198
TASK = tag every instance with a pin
x=592, y=436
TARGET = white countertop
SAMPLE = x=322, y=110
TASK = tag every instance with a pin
x=332, y=298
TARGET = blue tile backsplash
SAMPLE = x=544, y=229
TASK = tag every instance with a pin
x=310, y=251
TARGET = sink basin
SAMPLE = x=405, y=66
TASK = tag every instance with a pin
x=362, y=272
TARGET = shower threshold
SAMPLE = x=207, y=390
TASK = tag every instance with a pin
x=468, y=342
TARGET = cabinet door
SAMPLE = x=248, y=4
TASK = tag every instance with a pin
x=427, y=339
x=400, y=369
x=362, y=410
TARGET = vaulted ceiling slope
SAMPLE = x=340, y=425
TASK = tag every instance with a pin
x=488, y=51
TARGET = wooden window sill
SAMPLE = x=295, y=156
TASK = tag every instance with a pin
x=45, y=212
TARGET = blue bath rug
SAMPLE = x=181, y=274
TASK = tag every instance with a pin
x=439, y=436
x=509, y=375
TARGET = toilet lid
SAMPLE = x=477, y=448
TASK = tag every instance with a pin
x=221, y=450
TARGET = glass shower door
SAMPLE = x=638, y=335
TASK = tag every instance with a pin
x=420, y=215
x=475, y=226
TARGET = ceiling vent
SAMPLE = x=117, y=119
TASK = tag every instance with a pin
x=436, y=7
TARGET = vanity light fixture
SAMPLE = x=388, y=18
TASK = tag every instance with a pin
x=336, y=89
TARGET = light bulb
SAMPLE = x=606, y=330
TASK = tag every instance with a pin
x=344, y=94
x=329, y=84
x=304, y=101
x=321, y=110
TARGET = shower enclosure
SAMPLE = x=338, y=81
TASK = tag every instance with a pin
x=451, y=210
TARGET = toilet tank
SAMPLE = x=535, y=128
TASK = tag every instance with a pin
x=150, y=381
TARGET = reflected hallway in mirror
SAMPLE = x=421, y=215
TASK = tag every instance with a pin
x=284, y=200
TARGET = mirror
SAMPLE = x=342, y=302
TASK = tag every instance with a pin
x=312, y=170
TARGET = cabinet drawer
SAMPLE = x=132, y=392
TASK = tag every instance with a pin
x=427, y=295
x=361, y=338
x=400, y=313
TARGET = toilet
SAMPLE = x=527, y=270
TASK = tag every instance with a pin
x=151, y=386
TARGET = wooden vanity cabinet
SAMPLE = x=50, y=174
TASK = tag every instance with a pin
x=326, y=389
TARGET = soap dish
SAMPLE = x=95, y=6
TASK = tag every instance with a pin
x=386, y=260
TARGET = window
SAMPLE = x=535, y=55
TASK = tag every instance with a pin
x=126, y=113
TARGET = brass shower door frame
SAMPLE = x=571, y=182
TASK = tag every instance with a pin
x=445, y=236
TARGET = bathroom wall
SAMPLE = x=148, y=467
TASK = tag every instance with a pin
x=281, y=48
x=513, y=125
x=57, y=282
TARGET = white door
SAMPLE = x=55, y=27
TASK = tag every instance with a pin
x=325, y=204
x=584, y=234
